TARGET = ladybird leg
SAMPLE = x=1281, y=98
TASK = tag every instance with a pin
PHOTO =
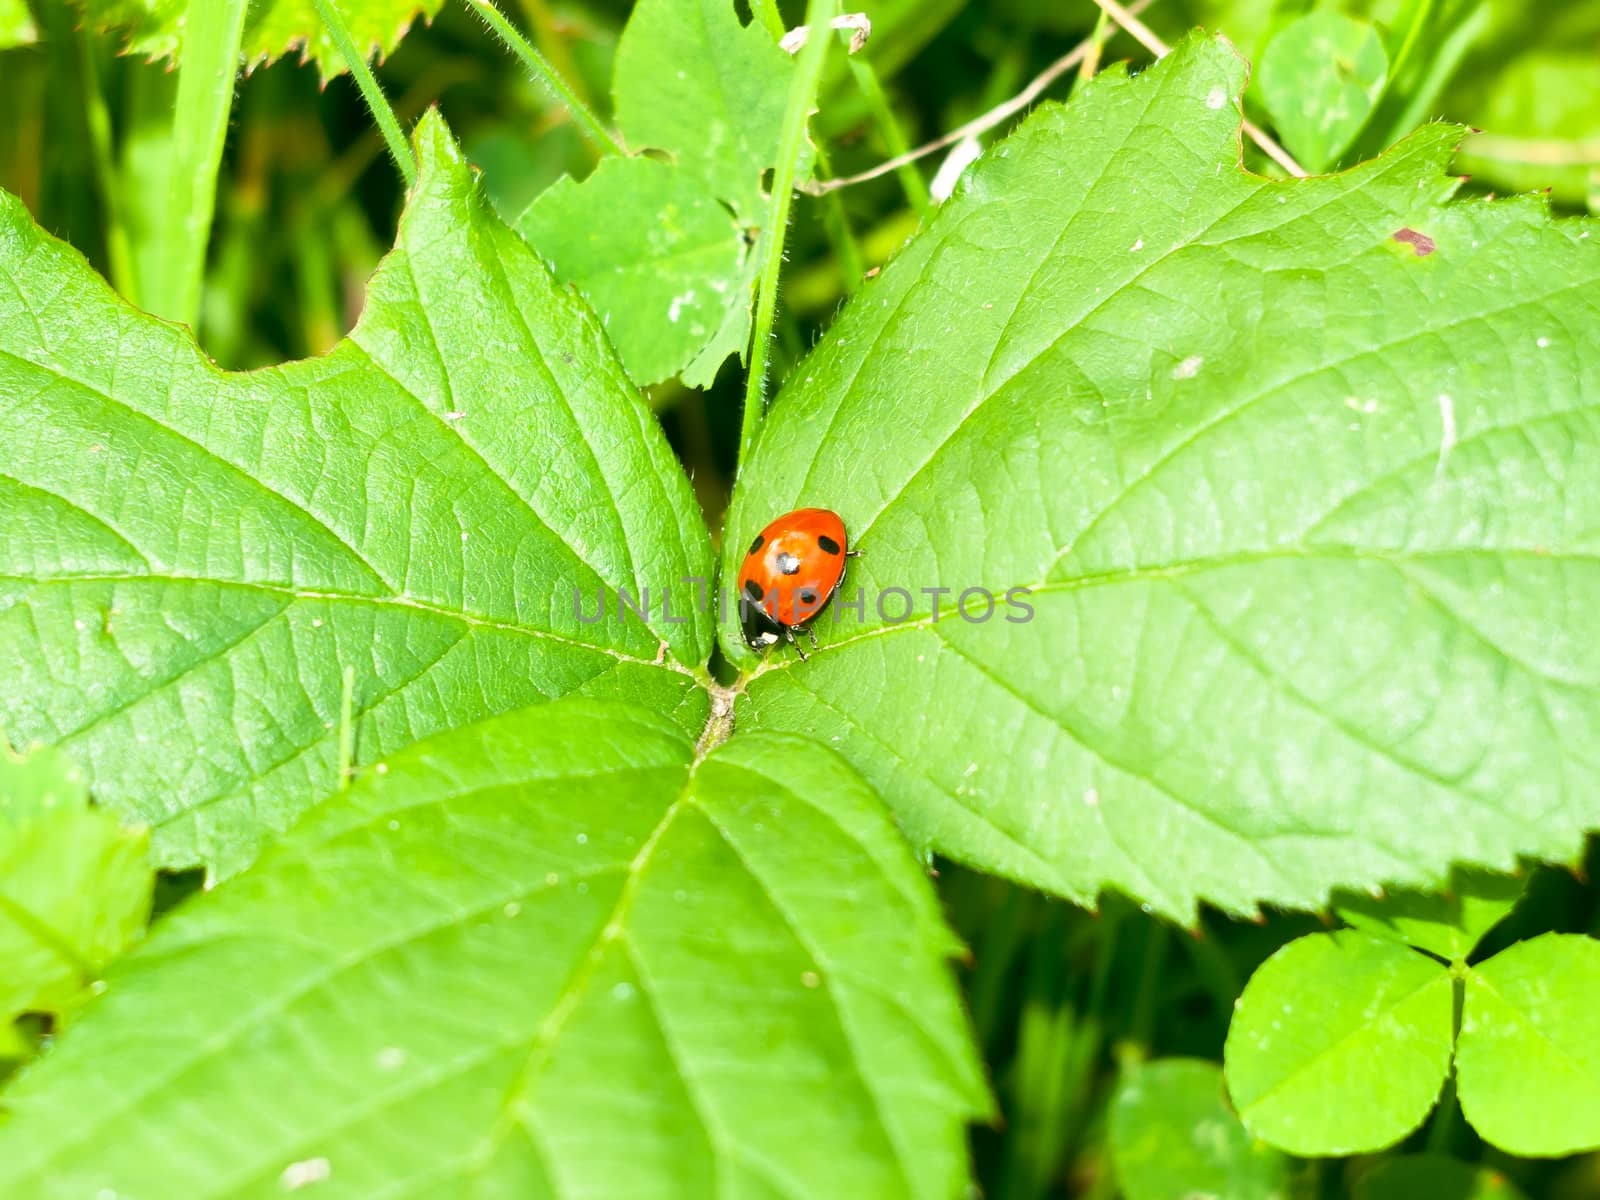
x=852, y=554
x=788, y=631
x=812, y=634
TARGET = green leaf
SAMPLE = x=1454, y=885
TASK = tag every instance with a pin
x=1298, y=505
x=691, y=80
x=1320, y=79
x=1528, y=1057
x=273, y=28
x=1173, y=1134
x=1433, y=1177
x=201, y=554
x=74, y=886
x=646, y=977
x=13, y=1046
x=670, y=269
x=16, y=24
x=1448, y=923
x=1339, y=1044
x=657, y=255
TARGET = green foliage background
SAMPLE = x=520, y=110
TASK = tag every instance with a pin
x=1308, y=514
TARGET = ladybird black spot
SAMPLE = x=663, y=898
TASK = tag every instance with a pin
x=828, y=544
x=808, y=597
x=788, y=564
x=753, y=590
x=757, y=544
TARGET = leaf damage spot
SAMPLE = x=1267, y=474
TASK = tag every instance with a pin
x=1189, y=367
x=1420, y=242
x=304, y=1173
x=1217, y=97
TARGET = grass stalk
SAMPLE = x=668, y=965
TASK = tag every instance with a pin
x=911, y=180
x=213, y=34
x=846, y=247
x=97, y=115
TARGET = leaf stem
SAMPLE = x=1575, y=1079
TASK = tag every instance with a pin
x=1441, y=1130
x=766, y=11
x=388, y=123
x=802, y=96
x=213, y=34
x=539, y=66
x=548, y=40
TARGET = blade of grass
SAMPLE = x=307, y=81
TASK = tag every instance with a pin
x=847, y=250
x=540, y=68
x=213, y=31
x=1454, y=35
x=388, y=123
x=1097, y=45
x=66, y=167
x=911, y=180
x=144, y=151
x=802, y=98
x=98, y=116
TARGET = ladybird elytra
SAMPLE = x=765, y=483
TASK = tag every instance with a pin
x=791, y=571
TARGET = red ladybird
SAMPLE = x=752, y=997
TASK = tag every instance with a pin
x=789, y=573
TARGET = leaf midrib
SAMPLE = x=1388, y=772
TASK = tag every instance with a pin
x=1182, y=569
x=536, y=1049
x=336, y=965
x=376, y=600
x=47, y=937
x=1363, y=1027
x=1527, y=1022
x=55, y=373
x=58, y=374
x=1070, y=323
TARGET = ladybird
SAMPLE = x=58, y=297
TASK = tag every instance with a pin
x=790, y=572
